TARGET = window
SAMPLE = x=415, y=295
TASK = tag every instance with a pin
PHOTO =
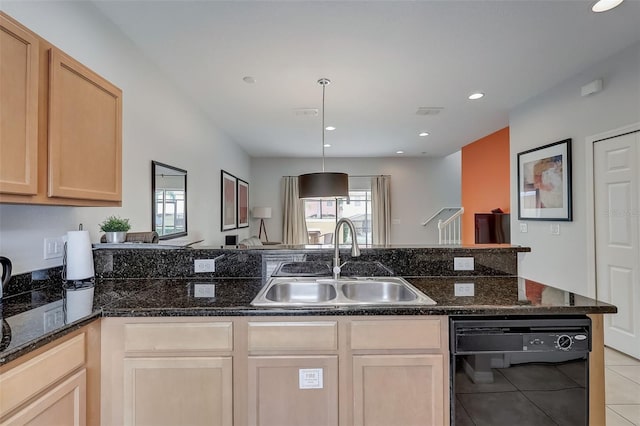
x=322, y=216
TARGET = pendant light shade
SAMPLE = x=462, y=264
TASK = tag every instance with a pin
x=323, y=184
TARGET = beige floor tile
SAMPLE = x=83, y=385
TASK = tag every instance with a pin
x=629, y=412
x=613, y=357
x=631, y=372
x=615, y=419
x=620, y=390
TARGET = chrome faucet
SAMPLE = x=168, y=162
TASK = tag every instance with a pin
x=355, y=250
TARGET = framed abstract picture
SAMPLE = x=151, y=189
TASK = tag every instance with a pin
x=229, y=201
x=243, y=204
x=544, y=182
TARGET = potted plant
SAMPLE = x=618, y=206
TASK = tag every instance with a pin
x=115, y=229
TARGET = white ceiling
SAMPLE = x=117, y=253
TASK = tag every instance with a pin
x=385, y=59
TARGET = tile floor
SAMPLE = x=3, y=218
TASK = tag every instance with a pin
x=622, y=393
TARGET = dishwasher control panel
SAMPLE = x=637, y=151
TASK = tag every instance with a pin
x=496, y=335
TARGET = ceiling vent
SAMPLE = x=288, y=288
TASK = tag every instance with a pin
x=305, y=112
x=429, y=110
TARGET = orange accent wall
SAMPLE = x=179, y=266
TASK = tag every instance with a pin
x=485, y=179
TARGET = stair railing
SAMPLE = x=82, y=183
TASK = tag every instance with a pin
x=449, y=229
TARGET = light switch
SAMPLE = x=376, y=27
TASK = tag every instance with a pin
x=524, y=228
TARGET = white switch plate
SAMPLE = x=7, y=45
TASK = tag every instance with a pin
x=524, y=228
x=555, y=229
x=53, y=247
x=463, y=264
x=204, y=290
x=463, y=289
x=310, y=378
x=204, y=265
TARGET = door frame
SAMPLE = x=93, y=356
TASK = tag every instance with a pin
x=592, y=290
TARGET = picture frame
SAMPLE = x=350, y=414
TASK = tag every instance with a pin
x=544, y=183
x=243, y=203
x=228, y=201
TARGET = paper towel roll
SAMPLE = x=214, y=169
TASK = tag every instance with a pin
x=79, y=258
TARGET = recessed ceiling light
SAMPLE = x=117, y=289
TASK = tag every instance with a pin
x=249, y=80
x=327, y=145
x=399, y=152
x=330, y=128
x=423, y=134
x=604, y=5
x=474, y=96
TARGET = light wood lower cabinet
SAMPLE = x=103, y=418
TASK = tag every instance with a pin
x=54, y=385
x=178, y=391
x=167, y=371
x=64, y=405
x=275, y=371
x=398, y=390
x=293, y=390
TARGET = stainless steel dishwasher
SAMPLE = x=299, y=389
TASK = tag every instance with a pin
x=520, y=370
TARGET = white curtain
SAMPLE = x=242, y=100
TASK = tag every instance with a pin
x=381, y=209
x=294, y=224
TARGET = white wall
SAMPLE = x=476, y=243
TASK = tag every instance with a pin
x=419, y=187
x=558, y=114
x=159, y=123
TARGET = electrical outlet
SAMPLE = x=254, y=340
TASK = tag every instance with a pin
x=463, y=264
x=204, y=290
x=53, y=318
x=463, y=289
x=53, y=247
x=524, y=228
x=204, y=265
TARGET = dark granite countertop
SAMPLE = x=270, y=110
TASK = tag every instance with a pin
x=23, y=314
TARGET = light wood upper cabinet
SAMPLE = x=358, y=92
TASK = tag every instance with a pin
x=85, y=132
x=19, y=59
x=61, y=134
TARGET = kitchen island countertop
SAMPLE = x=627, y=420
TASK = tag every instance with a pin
x=175, y=297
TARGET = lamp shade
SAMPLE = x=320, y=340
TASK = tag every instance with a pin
x=323, y=185
x=262, y=212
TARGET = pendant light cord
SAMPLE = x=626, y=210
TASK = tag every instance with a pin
x=324, y=85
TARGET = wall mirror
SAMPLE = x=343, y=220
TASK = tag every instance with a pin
x=169, y=200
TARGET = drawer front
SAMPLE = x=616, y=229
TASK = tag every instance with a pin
x=170, y=337
x=26, y=380
x=266, y=336
x=396, y=334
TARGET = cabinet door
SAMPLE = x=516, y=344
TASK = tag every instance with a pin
x=398, y=390
x=293, y=390
x=178, y=391
x=63, y=405
x=18, y=109
x=85, y=132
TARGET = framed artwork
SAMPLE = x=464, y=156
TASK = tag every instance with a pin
x=544, y=182
x=229, y=201
x=243, y=204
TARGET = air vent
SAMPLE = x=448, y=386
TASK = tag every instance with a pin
x=305, y=112
x=429, y=110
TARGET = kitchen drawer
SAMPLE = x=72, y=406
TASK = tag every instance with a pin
x=26, y=380
x=396, y=334
x=308, y=335
x=178, y=337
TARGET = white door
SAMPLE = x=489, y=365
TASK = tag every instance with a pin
x=617, y=220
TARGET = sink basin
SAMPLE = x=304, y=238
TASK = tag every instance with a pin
x=310, y=292
x=301, y=292
x=378, y=291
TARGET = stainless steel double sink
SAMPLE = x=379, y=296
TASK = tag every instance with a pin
x=310, y=291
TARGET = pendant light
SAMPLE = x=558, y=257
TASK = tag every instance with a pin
x=323, y=184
